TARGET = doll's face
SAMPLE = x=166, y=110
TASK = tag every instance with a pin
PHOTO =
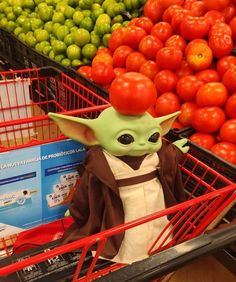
x=129, y=135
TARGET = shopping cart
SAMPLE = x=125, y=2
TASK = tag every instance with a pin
x=26, y=96
x=209, y=194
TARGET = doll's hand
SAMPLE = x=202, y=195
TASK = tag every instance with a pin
x=181, y=145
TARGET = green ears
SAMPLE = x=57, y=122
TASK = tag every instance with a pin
x=78, y=129
x=110, y=128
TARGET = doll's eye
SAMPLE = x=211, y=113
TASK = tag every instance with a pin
x=154, y=137
x=126, y=139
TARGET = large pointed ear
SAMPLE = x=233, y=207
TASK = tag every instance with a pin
x=166, y=122
x=78, y=129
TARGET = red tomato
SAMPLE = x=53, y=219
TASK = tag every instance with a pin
x=85, y=71
x=192, y=42
x=224, y=64
x=203, y=140
x=194, y=27
x=229, y=12
x=208, y=76
x=120, y=55
x=153, y=10
x=133, y=22
x=152, y=111
x=214, y=17
x=149, y=46
x=167, y=103
x=208, y=119
x=229, y=79
x=177, y=125
x=177, y=18
x=220, y=28
x=216, y=4
x=132, y=93
x=102, y=73
x=184, y=69
x=211, y=94
x=167, y=3
x=176, y=41
x=232, y=25
x=199, y=56
x=169, y=58
x=133, y=36
x=119, y=71
x=187, y=109
x=188, y=4
x=134, y=61
x=169, y=12
x=230, y=106
x=162, y=30
x=145, y=23
x=221, y=45
x=187, y=87
x=149, y=68
x=228, y=131
x=117, y=38
x=198, y=8
x=102, y=57
x=165, y=81
x=103, y=50
x=226, y=151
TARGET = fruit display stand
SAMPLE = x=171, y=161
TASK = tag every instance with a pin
x=18, y=55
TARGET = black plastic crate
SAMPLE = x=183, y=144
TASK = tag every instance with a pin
x=20, y=56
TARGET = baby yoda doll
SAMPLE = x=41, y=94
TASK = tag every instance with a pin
x=129, y=172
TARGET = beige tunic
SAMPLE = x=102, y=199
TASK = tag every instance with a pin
x=138, y=200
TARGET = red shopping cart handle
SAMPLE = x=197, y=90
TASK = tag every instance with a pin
x=173, y=258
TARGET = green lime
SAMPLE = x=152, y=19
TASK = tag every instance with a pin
x=68, y=40
x=36, y=23
x=76, y=63
x=115, y=26
x=52, y=37
x=117, y=19
x=102, y=29
x=69, y=23
x=66, y=62
x=125, y=23
x=11, y=26
x=51, y=55
x=30, y=41
x=74, y=28
x=95, y=6
x=89, y=50
x=47, y=50
x=58, y=47
x=17, y=10
x=55, y=27
x=59, y=57
x=135, y=13
x=107, y=3
x=135, y=4
x=48, y=26
x=81, y=37
x=3, y=5
x=58, y=17
x=62, y=31
x=87, y=13
x=26, y=25
x=17, y=30
x=42, y=35
x=103, y=19
x=73, y=52
x=11, y=16
x=77, y=17
x=46, y=14
x=20, y=19
x=95, y=39
x=28, y=4
x=8, y=10
x=69, y=11
x=96, y=13
x=87, y=23
x=61, y=6
x=86, y=61
x=105, y=39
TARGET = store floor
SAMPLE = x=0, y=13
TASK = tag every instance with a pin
x=205, y=269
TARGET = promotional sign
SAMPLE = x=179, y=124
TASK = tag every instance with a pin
x=36, y=184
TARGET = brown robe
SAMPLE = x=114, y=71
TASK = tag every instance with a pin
x=96, y=204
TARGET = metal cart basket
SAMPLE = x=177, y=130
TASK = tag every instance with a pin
x=209, y=194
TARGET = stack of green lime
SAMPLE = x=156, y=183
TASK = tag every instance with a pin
x=68, y=31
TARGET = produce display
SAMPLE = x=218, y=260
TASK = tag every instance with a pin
x=187, y=49
x=68, y=31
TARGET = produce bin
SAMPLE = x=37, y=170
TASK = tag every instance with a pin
x=20, y=56
x=208, y=195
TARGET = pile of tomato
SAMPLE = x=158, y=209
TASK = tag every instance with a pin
x=187, y=49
